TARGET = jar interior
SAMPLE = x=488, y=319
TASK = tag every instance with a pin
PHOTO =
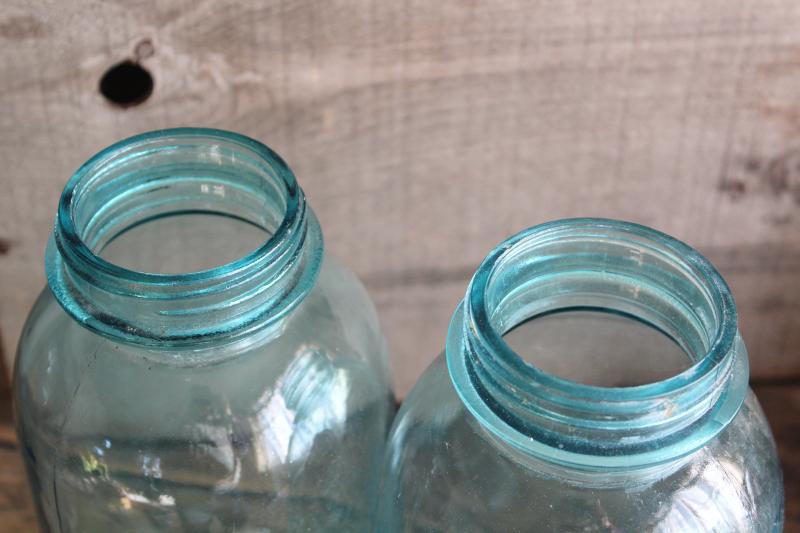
x=175, y=205
x=184, y=243
x=598, y=347
x=602, y=308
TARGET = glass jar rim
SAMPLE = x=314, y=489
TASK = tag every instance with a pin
x=274, y=245
x=502, y=390
x=114, y=191
x=722, y=298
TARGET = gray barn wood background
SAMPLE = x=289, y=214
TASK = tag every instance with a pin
x=424, y=132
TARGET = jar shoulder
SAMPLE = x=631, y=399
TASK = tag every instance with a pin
x=474, y=484
x=293, y=413
x=332, y=337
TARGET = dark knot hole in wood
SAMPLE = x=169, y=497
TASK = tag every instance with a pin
x=126, y=84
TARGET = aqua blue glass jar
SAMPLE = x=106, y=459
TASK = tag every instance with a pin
x=251, y=394
x=488, y=440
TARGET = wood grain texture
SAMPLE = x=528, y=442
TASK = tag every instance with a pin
x=426, y=132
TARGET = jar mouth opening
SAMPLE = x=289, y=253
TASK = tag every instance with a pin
x=178, y=172
x=144, y=146
x=719, y=327
x=616, y=267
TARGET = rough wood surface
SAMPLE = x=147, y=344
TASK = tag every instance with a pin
x=426, y=132
x=781, y=403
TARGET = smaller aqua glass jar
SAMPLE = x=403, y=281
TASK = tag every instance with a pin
x=198, y=361
x=599, y=431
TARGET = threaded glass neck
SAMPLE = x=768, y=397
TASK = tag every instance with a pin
x=606, y=266
x=174, y=172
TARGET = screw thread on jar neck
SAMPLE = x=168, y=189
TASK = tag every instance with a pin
x=607, y=266
x=172, y=172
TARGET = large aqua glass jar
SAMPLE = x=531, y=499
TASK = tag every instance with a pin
x=603, y=428
x=249, y=395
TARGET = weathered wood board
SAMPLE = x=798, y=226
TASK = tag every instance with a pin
x=425, y=132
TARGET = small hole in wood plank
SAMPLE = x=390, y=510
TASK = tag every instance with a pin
x=126, y=84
